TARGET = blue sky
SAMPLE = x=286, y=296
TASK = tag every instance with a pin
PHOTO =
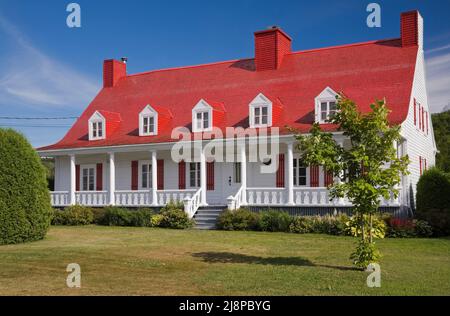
x=48, y=69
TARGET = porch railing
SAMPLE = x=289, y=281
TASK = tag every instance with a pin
x=133, y=197
x=314, y=196
x=191, y=204
x=236, y=201
x=59, y=198
x=266, y=196
x=91, y=198
x=176, y=196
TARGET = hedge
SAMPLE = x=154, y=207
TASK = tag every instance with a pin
x=25, y=209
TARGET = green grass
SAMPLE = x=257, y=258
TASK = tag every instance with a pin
x=145, y=261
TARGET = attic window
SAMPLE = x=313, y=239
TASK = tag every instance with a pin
x=260, y=112
x=148, y=122
x=202, y=117
x=325, y=105
x=97, y=127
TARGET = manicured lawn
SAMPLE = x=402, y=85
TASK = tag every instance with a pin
x=136, y=261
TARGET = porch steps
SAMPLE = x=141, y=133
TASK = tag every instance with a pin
x=206, y=216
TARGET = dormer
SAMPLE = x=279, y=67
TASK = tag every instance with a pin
x=263, y=111
x=102, y=124
x=152, y=119
x=207, y=114
x=325, y=105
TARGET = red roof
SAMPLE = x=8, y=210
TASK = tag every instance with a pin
x=363, y=72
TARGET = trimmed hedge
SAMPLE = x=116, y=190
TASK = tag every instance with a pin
x=174, y=216
x=241, y=219
x=73, y=216
x=116, y=216
x=25, y=210
x=433, y=200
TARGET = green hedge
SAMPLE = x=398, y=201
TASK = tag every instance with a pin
x=174, y=216
x=241, y=219
x=25, y=210
x=433, y=200
x=73, y=216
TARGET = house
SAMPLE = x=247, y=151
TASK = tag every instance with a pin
x=120, y=150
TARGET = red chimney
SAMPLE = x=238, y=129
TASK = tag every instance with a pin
x=270, y=47
x=113, y=71
x=411, y=28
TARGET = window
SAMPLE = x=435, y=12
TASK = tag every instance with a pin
x=237, y=172
x=327, y=110
x=260, y=115
x=202, y=121
x=194, y=174
x=146, y=175
x=97, y=131
x=88, y=178
x=299, y=173
x=148, y=125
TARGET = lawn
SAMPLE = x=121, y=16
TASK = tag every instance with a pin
x=147, y=261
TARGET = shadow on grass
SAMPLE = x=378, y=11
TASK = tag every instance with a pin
x=229, y=257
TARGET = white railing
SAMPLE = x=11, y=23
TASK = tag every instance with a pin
x=266, y=196
x=235, y=202
x=314, y=196
x=92, y=198
x=175, y=196
x=191, y=204
x=59, y=198
x=133, y=197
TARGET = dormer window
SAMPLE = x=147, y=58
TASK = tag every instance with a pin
x=148, y=121
x=260, y=112
x=325, y=105
x=97, y=127
x=202, y=120
x=202, y=117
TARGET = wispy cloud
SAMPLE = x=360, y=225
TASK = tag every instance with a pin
x=438, y=77
x=29, y=77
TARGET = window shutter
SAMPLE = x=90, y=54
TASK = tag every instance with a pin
x=77, y=178
x=280, y=171
x=423, y=121
x=425, y=163
x=427, y=121
x=420, y=116
x=182, y=175
x=99, y=175
x=314, y=175
x=160, y=174
x=415, y=112
x=210, y=176
x=420, y=164
x=134, y=175
x=328, y=177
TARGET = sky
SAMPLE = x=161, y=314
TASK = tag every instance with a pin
x=49, y=70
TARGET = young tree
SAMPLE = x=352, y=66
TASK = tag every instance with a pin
x=368, y=168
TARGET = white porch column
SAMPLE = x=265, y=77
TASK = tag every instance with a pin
x=290, y=176
x=112, y=179
x=72, y=186
x=154, y=179
x=203, y=176
x=244, y=175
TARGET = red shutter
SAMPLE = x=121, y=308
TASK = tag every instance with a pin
x=210, y=176
x=280, y=171
x=423, y=121
x=77, y=177
x=328, y=177
x=420, y=164
x=427, y=121
x=314, y=175
x=415, y=112
x=99, y=175
x=134, y=175
x=425, y=163
x=160, y=174
x=182, y=175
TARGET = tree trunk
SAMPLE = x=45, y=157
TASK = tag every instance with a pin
x=362, y=228
x=370, y=231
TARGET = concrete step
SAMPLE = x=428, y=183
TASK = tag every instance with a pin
x=206, y=217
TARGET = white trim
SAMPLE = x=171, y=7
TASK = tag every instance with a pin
x=202, y=107
x=88, y=166
x=327, y=95
x=149, y=179
x=260, y=101
x=148, y=112
x=96, y=118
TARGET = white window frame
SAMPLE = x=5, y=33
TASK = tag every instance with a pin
x=202, y=107
x=237, y=177
x=147, y=163
x=95, y=119
x=197, y=175
x=296, y=166
x=148, y=112
x=260, y=102
x=82, y=182
x=327, y=96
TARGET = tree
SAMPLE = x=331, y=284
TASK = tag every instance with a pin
x=441, y=127
x=25, y=209
x=368, y=169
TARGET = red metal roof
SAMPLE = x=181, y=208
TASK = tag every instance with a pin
x=363, y=71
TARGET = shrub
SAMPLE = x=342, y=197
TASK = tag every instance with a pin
x=240, y=219
x=422, y=228
x=116, y=216
x=175, y=218
x=274, y=221
x=141, y=218
x=378, y=226
x=156, y=220
x=407, y=228
x=74, y=215
x=25, y=210
x=99, y=215
x=301, y=225
x=433, y=200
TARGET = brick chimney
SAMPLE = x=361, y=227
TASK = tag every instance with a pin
x=411, y=29
x=113, y=71
x=270, y=47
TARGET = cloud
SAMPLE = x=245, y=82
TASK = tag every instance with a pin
x=30, y=78
x=438, y=77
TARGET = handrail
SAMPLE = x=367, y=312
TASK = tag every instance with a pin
x=235, y=202
x=191, y=204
